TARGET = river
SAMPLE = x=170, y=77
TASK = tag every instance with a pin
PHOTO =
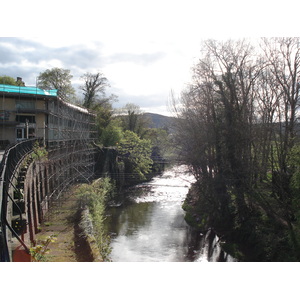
x=146, y=224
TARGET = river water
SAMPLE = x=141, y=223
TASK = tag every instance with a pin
x=146, y=224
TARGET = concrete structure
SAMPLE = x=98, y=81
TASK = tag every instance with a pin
x=29, y=112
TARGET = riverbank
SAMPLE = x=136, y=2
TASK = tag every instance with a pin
x=71, y=225
x=147, y=224
x=198, y=218
x=66, y=224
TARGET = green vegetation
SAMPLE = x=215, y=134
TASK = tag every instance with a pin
x=95, y=197
x=126, y=128
x=133, y=119
x=10, y=81
x=38, y=151
x=138, y=145
x=238, y=130
x=40, y=248
x=112, y=133
x=59, y=79
x=136, y=154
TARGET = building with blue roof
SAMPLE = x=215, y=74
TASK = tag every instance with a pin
x=31, y=90
x=29, y=187
x=30, y=112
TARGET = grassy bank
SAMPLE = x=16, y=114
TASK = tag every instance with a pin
x=73, y=231
x=94, y=197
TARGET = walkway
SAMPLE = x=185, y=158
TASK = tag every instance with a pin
x=61, y=223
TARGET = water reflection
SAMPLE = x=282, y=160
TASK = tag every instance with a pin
x=150, y=225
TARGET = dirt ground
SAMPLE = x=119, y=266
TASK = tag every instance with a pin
x=61, y=222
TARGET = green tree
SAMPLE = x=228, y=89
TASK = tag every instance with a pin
x=95, y=98
x=134, y=120
x=136, y=153
x=59, y=79
x=160, y=141
x=9, y=80
x=103, y=117
x=112, y=134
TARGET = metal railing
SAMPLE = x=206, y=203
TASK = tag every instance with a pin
x=11, y=160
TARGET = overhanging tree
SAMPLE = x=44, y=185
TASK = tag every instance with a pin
x=136, y=153
x=237, y=130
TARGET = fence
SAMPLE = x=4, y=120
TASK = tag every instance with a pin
x=11, y=160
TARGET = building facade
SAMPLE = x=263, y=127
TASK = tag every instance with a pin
x=29, y=112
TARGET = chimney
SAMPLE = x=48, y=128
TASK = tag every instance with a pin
x=20, y=82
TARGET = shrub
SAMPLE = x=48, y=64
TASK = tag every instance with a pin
x=95, y=197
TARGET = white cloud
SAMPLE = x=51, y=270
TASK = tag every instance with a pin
x=144, y=48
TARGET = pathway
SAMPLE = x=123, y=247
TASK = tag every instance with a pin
x=61, y=222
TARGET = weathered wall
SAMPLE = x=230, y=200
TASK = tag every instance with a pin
x=86, y=233
x=28, y=202
x=39, y=183
x=38, y=186
x=108, y=164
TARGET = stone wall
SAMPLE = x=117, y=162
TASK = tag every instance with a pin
x=87, y=237
x=108, y=164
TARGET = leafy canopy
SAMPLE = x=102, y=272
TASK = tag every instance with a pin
x=10, y=81
x=59, y=79
x=136, y=153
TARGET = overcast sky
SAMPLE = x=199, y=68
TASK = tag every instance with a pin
x=144, y=48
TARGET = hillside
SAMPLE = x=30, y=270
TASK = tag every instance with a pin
x=159, y=121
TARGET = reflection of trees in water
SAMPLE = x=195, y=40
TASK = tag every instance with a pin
x=205, y=247
x=128, y=217
x=151, y=211
x=135, y=216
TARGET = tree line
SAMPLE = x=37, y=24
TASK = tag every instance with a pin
x=126, y=129
x=238, y=130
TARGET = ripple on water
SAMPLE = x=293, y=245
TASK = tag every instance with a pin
x=151, y=226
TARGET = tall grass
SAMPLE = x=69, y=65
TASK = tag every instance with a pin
x=94, y=196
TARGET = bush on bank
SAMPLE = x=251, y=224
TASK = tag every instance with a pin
x=94, y=196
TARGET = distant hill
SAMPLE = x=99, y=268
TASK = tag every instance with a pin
x=159, y=121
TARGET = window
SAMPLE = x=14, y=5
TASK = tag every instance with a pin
x=25, y=104
x=25, y=133
x=31, y=133
x=20, y=132
x=25, y=118
x=4, y=115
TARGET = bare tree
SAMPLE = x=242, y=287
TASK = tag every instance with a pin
x=283, y=58
x=94, y=89
x=220, y=110
x=237, y=129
